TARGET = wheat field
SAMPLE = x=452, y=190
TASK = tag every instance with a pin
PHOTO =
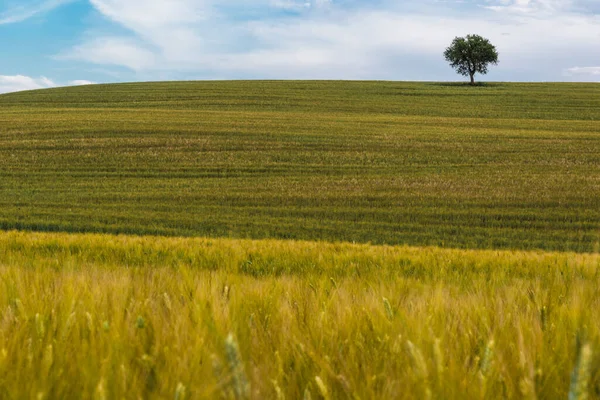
x=300, y=240
x=100, y=316
x=513, y=166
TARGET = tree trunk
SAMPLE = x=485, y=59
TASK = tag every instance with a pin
x=472, y=78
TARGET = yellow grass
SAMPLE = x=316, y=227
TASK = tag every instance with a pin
x=111, y=317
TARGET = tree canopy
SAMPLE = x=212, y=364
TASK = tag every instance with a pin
x=470, y=55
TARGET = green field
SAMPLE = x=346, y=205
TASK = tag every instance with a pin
x=300, y=240
x=497, y=166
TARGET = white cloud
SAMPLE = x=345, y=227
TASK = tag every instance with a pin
x=593, y=71
x=324, y=40
x=295, y=5
x=16, y=83
x=29, y=9
x=118, y=51
x=529, y=6
x=140, y=15
x=544, y=7
x=81, y=82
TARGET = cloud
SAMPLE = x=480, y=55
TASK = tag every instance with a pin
x=29, y=9
x=298, y=6
x=593, y=71
x=337, y=39
x=529, y=6
x=16, y=83
x=81, y=82
x=544, y=6
x=119, y=51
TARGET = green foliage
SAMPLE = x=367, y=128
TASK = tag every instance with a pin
x=470, y=55
x=500, y=166
x=111, y=317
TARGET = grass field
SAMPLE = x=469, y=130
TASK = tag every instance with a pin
x=514, y=166
x=194, y=241
x=111, y=317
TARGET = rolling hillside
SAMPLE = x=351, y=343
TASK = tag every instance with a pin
x=495, y=173
x=496, y=166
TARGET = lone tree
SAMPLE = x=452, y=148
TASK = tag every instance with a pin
x=471, y=54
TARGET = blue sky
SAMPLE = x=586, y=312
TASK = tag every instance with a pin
x=47, y=43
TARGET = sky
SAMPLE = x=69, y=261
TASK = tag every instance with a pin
x=47, y=43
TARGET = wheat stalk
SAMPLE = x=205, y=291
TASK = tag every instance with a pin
x=322, y=388
x=580, y=378
x=419, y=367
x=100, y=393
x=388, y=309
x=241, y=387
x=39, y=326
x=180, y=392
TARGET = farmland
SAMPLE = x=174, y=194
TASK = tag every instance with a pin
x=499, y=166
x=143, y=317
x=300, y=240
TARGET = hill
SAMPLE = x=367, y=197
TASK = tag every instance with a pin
x=496, y=166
